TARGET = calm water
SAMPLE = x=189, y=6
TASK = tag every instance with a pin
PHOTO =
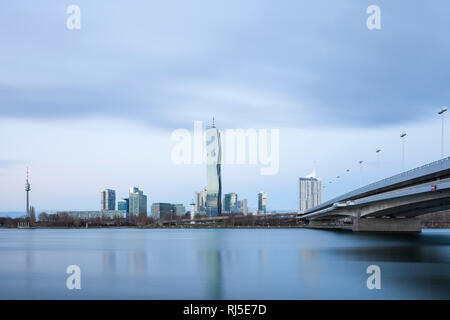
x=222, y=264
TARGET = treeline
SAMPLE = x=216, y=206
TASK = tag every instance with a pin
x=64, y=220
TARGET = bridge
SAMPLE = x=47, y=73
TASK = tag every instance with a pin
x=391, y=204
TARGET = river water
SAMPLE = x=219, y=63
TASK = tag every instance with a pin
x=222, y=264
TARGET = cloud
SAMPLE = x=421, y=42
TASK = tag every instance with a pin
x=249, y=64
x=5, y=164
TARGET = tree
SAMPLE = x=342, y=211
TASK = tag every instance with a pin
x=43, y=217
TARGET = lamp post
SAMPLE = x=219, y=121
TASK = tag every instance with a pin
x=402, y=136
x=378, y=160
x=441, y=112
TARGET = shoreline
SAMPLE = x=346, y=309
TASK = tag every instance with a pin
x=189, y=227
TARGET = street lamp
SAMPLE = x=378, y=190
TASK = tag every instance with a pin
x=378, y=159
x=441, y=112
x=402, y=136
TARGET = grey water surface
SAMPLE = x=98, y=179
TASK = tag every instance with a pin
x=222, y=264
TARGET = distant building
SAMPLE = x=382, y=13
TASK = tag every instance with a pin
x=195, y=208
x=160, y=209
x=242, y=206
x=108, y=200
x=83, y=215
x=179, y=209
x=199, y=202
x=137, y=202
x=123, y=205
x=310, y=192
x=230, y=202
x=262, y=198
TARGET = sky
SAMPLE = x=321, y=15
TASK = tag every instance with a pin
x=95, y=108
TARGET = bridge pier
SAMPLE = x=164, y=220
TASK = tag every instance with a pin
x=387, y=224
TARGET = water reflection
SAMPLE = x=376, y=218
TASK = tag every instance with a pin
x=223, y=264
x=137, y=262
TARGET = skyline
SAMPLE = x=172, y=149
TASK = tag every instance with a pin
x=379, y=177
x=94, y=108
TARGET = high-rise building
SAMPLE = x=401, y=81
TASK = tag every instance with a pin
x=242, y=206
x=108, y=200
x=199, y=202
x=137, y=202
x=262, y=197
x=122, y=205
x=213, y=175
x=310, y=193
x=195, y=208
x=202, y=208
x=230, y=202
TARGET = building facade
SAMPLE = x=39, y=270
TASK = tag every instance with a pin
x=179, y=209
x=213, y=172
x=122, y=205
x=160, y=209
x=108, y=200
x=242, y=206
x=230, y=203
x=262, y=199
x=137, y=202
x=310, y=193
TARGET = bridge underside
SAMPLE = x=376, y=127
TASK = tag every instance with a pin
x=390, y=215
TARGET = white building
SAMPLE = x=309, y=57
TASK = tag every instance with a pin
x=242, y=206
x=310, y=192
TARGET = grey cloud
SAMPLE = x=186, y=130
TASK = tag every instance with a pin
x=302, y=64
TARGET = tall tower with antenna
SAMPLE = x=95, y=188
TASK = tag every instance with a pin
x=28, y=189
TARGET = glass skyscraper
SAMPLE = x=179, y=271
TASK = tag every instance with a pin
x=230, y=202
x=137, y=202
x=213, y=176
x=108, y=200
x=262, y=198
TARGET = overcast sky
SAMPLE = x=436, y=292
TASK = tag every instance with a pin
x=95, y=108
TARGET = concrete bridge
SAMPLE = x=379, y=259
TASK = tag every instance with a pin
x=392, y=204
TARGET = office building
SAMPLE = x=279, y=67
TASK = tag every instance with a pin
x=160, y=209
x=108, y=200
x=262, y=197
x=137, y=202
x=310, y=193
x=179, y=209
x=230, y=203
x=122, y=205
x=242, y=206
x=213, y=172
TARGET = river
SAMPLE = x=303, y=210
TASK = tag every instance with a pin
x=222, y=264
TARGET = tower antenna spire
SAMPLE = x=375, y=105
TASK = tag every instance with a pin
x=213, y=123
x=27, y=189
